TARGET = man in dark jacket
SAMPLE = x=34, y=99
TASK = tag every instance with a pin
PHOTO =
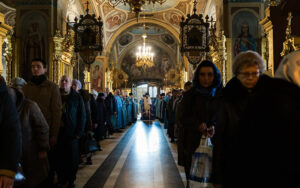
x=46, y=94
x=72, y=128
x=10, y=138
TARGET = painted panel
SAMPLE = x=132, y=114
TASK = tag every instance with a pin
x=97, y=75
x=150, y=30
x=35, y=40
x=244, y=32
x=114, y=20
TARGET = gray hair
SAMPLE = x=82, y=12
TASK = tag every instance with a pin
x=78, y=83
x=248, y=59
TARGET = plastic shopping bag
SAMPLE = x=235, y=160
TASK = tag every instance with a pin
x=201, y=169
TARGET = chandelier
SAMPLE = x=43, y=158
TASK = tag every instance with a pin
x=144, y=56
x=135, y=5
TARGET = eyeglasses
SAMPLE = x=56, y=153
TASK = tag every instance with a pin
x=248, y=74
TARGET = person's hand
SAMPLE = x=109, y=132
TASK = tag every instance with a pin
x=211, y=131
x=77, y=137
x=6, y=182
x=95, y=125
x=203, y=128
x=115, y=113
x=52, y=141
x=42, y=155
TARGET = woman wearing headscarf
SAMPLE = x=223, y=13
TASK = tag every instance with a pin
x=257, y=121
x=35, y=139
x=197, y=110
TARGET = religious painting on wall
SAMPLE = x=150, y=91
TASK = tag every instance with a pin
x=97, y=75
x=244, y=32
x=168, y=39
x=174, y=18
x=114, y=20
x=34, y=41
x=125, y=39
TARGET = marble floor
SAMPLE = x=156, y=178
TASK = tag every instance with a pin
x=140, y=157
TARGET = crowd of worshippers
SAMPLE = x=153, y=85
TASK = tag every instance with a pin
x=57, y=128
x=253, y=122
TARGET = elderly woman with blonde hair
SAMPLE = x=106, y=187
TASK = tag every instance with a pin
x=258, y=119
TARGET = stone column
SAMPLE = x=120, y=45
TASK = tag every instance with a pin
x=4, y=29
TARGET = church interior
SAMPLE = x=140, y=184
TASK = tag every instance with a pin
x=139, y=47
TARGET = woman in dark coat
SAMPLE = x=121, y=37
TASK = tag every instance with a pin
x=254, y=134
x=197, y=110
x=35, y=140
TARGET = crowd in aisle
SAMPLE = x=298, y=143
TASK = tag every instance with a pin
x=48, y=130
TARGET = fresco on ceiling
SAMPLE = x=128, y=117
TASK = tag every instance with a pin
x=114, y=20
x=168, y=39
x=244, y=32
x=162, y=64
x=125, y=39
x=150, y=30
x=97, y=75
x=35, y=41
x=152, y=8
x=174, y=18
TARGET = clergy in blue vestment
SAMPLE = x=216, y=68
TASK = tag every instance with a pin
x=135, y=109
x=118, y=99
x=130, y=109
x=157, y=106
x=124, y=110
x=161, y=107
x=166, y=100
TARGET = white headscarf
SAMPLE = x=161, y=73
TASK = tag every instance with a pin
x=94, y=92
x=289, y=68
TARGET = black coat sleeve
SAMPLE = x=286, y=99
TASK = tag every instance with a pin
x=81, y=118
x=10, y=135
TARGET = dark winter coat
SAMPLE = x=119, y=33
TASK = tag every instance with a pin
x=110, y=104
x=86, y=100
x=258, y=135
x=94, y=110
x=10, y=134
x=73, y=116
x=35, y=139
x=198, y=105
x=47, y=96
x=101, y=111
